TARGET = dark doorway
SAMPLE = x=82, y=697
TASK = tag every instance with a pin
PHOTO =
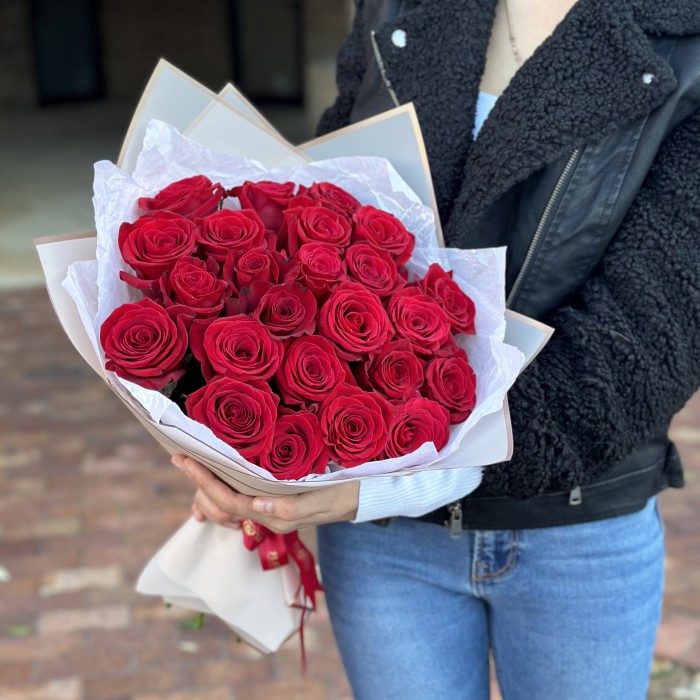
x=67, y=50
x=267, y=41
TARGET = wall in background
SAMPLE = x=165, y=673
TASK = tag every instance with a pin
x=132, y=35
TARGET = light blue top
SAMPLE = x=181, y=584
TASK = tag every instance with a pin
x=484, y=105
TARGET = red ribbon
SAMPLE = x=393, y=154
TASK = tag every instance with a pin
x=274, y=551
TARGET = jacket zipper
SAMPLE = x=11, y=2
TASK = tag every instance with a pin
x=382, y=70
x=455, y=523
x=540, y=229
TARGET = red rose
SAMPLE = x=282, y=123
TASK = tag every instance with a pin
x=146, y=344
x=230, y=229
x=419, y=320
x=192, y=197
x=242, y=414
x=450, y=349
x=355, y=424
x=328, y=195
x=374, y=269
x=241, y=269
x=153, y=243
x=418, y=421
x=194, y=283
x=286, y=310
x=384, y=231
x=452, y=383
x=439, y=285
x=297, y=447
x=313, y=225
x=320, y=267
x=355, y=320
x=268, y=199
x=236, y=347
x=310, y=370
x=396, y=371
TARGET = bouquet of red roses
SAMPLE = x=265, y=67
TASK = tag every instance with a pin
x=284, y=319
x=291, y=324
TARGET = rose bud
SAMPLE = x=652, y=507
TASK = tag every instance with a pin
x=230, y=229
x=313, y=225
x=153, y=243
x=355, y=320
x=419, y=320
x=384, y=231
x=418, y=421
x=439, y=285
x=286, y=310
x=320, y=267
x=297, y=447
x=374, y=269
x=310, y=370
x=241, y=269
x=452, y=383
x=328, y=195
x=355, y=424
x=146, y=344
x=192, y=197
x=194, y=283
x=268, y=199
x=237, y=347
x=242, y=414
x=396, y=372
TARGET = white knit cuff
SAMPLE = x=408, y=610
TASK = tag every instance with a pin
x=415, y=494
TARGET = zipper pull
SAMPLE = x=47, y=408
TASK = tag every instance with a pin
x=455, y=520
x=575, y=497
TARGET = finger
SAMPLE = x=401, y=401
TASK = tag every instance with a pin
x=211, y=511
x=287, y=513
x=197, y=514
x=219, y=493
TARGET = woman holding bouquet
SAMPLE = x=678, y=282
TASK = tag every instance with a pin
x=569, y=132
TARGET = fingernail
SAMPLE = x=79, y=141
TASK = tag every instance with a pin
x=233, y=526
x=260, y=505
x=177, y=461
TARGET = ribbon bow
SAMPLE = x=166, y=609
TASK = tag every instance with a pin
x=274, y=550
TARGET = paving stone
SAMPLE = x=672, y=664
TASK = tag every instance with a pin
x=15, y=673
x=59, y=689
x=220, y=693
x=40, y=530
x=294, y=690
x=232, y=672
x=32, y=648
x=62, y=621
x=126, y=685
x=677, y=635
x=82, y=665
x=65, y=580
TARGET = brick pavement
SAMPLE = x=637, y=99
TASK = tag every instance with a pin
x=86, y=497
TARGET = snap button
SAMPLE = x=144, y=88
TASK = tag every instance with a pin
x=398, y=38
x=648, y=78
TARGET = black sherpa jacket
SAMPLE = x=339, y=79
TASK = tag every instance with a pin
x=588, y=169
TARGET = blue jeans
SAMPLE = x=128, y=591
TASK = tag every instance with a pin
x=570, y=613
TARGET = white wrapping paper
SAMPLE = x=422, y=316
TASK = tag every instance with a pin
x=205, y=567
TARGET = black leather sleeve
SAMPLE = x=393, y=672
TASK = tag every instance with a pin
x=625, y=355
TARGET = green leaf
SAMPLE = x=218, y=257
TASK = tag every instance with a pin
x=194, y=624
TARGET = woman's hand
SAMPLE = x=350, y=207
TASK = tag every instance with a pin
x=218, y=502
